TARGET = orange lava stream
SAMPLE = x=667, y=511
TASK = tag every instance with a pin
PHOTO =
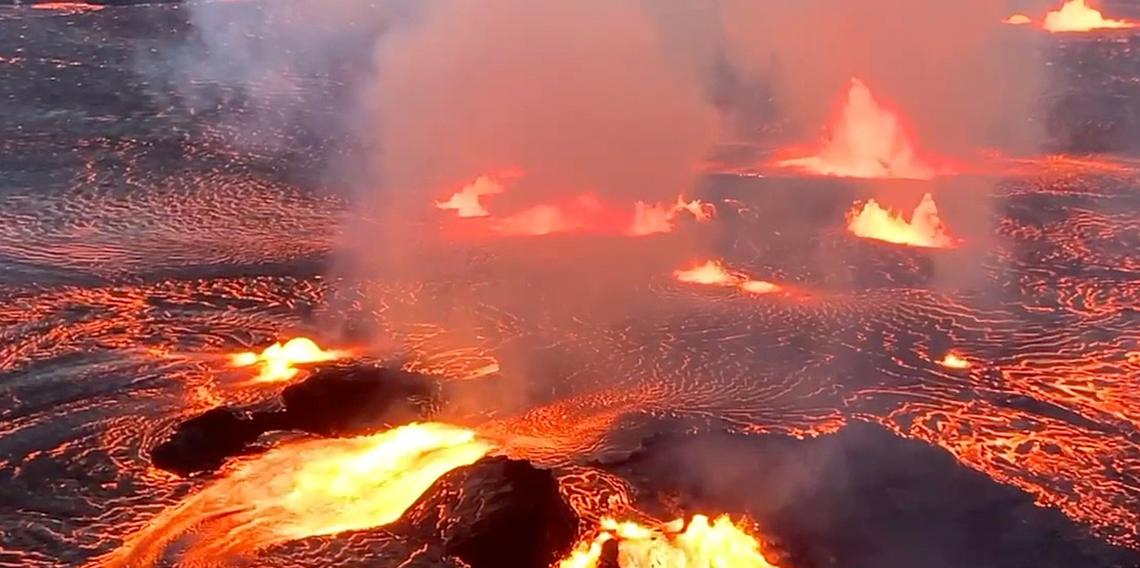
x=1077, y=16
x=277, y=361
x=714, y=273
x=925, y=228
x=1017, y=20
x=719, y=544
x=306, y=488
x=865, y=140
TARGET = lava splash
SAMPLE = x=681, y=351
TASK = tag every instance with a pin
x=714, y=273
x=1017, y=20
x=925, y=228
x=306, y=488
x=702, y=544
x=278, y=361
x=1077, y=16
x=866, y=139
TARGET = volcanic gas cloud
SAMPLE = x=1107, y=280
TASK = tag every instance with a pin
x=1077, y=16
x=701, y=544
x=925, y=228
x=865, y=139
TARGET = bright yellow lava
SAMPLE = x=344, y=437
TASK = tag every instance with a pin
x=719, y=544
x=277, y=361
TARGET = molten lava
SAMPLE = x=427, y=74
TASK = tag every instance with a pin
x=278, y=361
x=69, y=7
x=954, y=361
x=719, y=544
x=466, y=202
x=714, y=273
x=306, y=488
x=1077, y=16
x=865, y=140
x=1017, y=20
x=759, y=287
x=925, y=228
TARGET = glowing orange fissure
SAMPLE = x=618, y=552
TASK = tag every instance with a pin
x=277, y=362
x=700, y=544
x=581, y=213
x=924, y=229
x=866, y=139
x=1077, y=16
x=306, y=488
x=714, y=273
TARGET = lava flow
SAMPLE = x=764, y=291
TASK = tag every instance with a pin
x=925, y=228
x=306, y=488
x=1017, y=20
x=866, y=140
x=1077, y=16
x=714, y=273
x=719, y=544
x=278, y=361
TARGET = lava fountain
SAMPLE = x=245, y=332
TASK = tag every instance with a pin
x=865, y=139
x=278, y=361
x=925, y=228
x=467, y=201
x=1077, y=16
x=302, y=489
x=701, y=544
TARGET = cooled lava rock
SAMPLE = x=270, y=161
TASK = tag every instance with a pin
x=340, y=400
x=347, y=400
x=203, y=442
x=496, y=513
